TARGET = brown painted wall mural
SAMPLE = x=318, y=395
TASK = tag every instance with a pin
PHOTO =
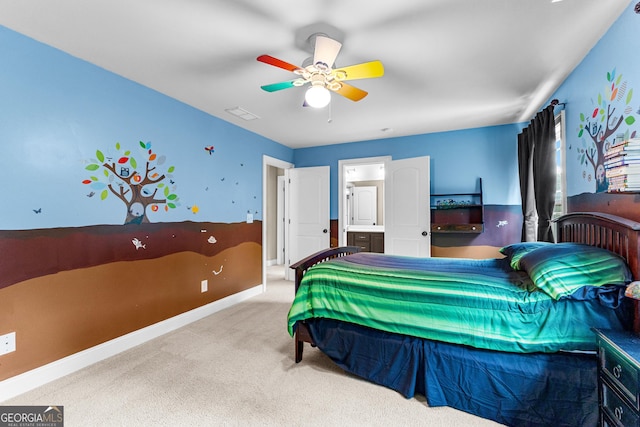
x=28, y=254
x=74, y=302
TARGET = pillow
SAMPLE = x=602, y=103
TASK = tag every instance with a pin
x=560, y=269
x=515, y=251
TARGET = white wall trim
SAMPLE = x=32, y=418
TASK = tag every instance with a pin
x=30, y=380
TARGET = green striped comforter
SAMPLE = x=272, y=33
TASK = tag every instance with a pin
x=481, y=303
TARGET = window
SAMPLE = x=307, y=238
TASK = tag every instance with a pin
x=560, y=207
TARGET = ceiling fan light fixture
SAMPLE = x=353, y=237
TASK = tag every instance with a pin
x=319, y=70
x=317, y=96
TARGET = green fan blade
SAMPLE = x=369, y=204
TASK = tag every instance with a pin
x=279, y=86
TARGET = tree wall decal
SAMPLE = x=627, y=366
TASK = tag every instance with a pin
x=598, y=128
x=138, y=186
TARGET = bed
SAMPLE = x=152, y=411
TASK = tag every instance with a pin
x=511, y=367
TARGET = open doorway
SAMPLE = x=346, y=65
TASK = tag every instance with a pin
x=305, y=223
x=273, y=199
x=364, y=176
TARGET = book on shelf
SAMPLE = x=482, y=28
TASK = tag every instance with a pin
x=626, y=157
x=622, y=166
x=623, y=148
x=631, y=179
x=612, y=153
x=622, y=170
x=624, y=190
x=631, y=142
x=624, y=183
x=614, y=163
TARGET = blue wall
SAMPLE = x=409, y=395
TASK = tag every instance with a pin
x=57, y=110
x=458, y=159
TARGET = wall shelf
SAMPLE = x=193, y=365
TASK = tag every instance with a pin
x=457, y=212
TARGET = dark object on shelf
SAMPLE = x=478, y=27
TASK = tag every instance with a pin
x=453, y=204
x=457, y=212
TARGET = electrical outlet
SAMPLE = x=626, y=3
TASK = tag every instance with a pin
x=204, y=285
x=7, y=343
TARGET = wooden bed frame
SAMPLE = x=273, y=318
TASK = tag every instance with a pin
x=302, y=334
x=619, y=235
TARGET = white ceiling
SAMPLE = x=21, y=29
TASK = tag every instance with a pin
x=449, y=64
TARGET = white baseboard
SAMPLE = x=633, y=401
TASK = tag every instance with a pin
x=272, y=262
x=30, y=380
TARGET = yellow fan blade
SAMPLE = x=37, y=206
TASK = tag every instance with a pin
x=351, y=92
x=365, y=70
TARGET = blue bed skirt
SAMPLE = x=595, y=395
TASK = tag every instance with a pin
x=514, y=389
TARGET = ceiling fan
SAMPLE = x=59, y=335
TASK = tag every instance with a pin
x=322, y=76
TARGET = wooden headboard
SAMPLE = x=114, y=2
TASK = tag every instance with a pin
x=617, y=234
x=611, y=232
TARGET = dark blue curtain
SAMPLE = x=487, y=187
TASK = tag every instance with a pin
x=525, y=170
x=537, y=171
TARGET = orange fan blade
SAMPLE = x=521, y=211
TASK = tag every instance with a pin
x=365, y=70
x=351, y=92
x=268, y=59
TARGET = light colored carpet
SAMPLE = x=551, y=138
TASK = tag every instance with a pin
x=235, y=367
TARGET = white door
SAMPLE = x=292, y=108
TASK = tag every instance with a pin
x=307, y=213
x=365, y=205
x=407, y=215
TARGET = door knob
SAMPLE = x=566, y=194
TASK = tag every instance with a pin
x=324, y=231
x=424, y=233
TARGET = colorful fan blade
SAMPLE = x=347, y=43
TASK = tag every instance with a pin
x=267, y=59
x=351, y=92
x=279, y=86
x=360, y=71
x=325, y=52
